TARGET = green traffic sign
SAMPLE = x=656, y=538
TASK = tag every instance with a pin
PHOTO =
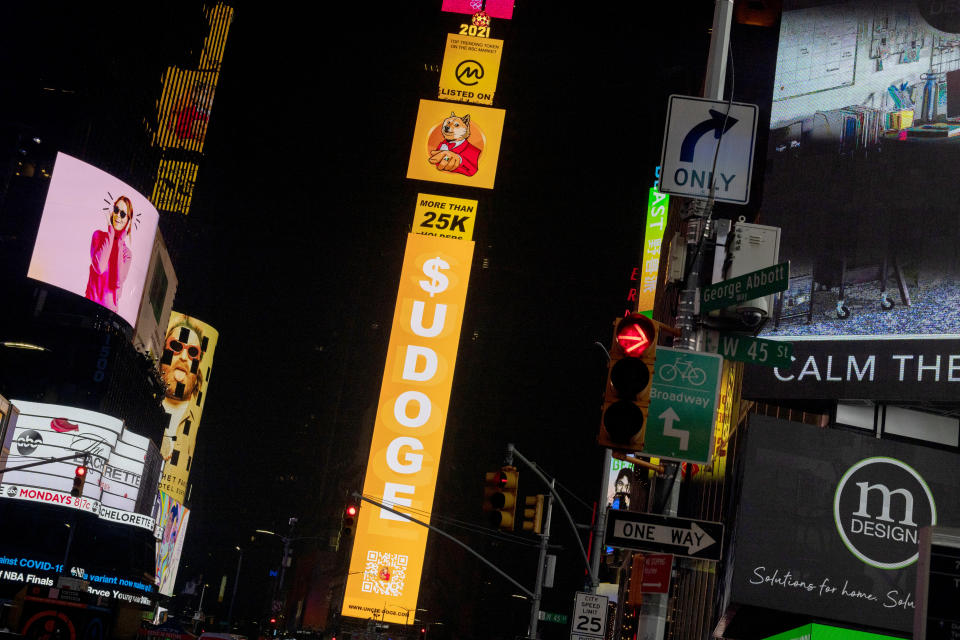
x=683, y=405
x=755, y=284
x=559, y=618
x=770, y=353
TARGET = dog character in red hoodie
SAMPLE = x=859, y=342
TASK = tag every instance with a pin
x=455, y=153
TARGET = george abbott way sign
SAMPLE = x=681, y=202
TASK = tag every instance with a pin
x=694, y=129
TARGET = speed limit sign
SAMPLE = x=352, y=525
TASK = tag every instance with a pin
x=589, y=617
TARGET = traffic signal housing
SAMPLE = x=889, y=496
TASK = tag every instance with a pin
x=79, y=478
x=500, y=497
x=349, y=519
x=629, y=378
x=533, y=513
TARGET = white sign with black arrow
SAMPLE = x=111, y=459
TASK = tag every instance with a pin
x=708, y=142
x=699, y=539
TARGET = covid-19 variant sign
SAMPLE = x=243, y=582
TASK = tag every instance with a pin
x=387, y=558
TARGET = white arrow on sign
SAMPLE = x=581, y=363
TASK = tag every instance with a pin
x=694, y=538
x=669, y=417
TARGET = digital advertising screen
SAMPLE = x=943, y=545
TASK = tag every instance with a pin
x=95, y=237
x=386, y=563
x=828, y=521
x=493, y=8
x=862, y=168
x=185, y=366
x=456, y=144
x=114, y=461
x=172, y=518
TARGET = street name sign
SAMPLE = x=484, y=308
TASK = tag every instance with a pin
x=699, y=539
x=589, y=617
x=744, y=348
x=683, y=405
x=546, y=616
x=694, y=129
x=755, y=284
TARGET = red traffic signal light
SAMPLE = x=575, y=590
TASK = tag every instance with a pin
x=349, y=518
x=79, y=477
x=273, y=621
x=500, y=497
x=635, y=334
x=630, y=376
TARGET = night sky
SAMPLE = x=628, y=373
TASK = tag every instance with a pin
x=298, y=228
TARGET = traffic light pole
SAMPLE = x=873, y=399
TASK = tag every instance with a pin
x=446, y=535
x=541, y=567
x=511, y=452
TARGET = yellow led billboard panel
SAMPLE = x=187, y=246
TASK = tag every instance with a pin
x=444, y=217
x=387, y=558
x=173, y=189
x=456, y=144
x=470, y=69
x=184, y=108
x=185, y=367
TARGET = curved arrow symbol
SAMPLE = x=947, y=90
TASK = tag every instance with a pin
x=715, y=123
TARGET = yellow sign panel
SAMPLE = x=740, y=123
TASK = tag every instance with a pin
x=444, y=217
x=456, y=144
x=387, y=559
x=470, y=69
x=185, y=367
x=173, y=189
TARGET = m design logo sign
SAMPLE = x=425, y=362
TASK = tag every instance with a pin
x=879, y=506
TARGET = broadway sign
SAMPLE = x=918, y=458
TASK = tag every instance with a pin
x=874, y=369
x=829, y=521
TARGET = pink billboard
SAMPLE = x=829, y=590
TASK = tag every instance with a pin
x=494, y=8
x=95, y=238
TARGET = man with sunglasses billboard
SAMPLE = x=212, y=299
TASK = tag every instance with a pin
x=110, y=256
x=186, y=359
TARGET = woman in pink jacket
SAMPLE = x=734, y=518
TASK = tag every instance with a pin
x=110, y=256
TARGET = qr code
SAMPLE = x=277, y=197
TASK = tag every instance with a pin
x=384, y=573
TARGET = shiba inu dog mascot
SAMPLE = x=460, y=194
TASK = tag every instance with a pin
x=455, y=153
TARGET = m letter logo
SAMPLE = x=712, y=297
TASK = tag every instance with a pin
x=878, y=507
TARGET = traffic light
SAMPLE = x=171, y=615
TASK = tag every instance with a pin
x=533, y=513
x=349, y=518
x=79, y=477
x=500, y=497
x=630, y=374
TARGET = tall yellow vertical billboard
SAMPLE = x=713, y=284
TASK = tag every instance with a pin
x=387, y=559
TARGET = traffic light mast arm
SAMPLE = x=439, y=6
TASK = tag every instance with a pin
x=73, y=456
x=446, y=535
x=511, y=451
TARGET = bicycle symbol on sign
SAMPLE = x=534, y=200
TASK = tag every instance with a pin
x=685, y=369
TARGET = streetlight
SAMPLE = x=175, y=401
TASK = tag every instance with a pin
x=233, y=597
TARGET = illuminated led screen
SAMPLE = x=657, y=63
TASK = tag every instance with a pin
x=185, y=366
x=863, y=161
x=95, y=237
x=172, y=519
x=115, y=462
x=387, y=559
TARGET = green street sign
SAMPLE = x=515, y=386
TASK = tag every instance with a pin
x=755, y=284
x=683, y=405
x=559, y=618
x=770, y=353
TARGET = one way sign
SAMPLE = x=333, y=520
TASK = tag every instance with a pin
x=694, y=129
x=698, y=539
